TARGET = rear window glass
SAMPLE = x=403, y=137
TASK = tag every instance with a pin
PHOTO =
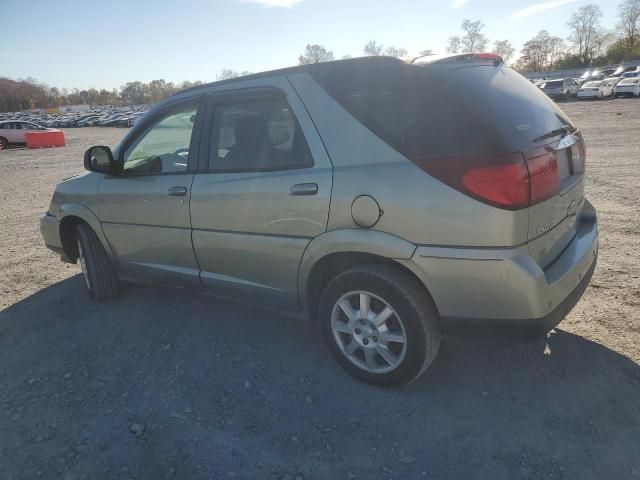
x=410, y=108
x=519, y=111
x=444, y=109
x=554, y=83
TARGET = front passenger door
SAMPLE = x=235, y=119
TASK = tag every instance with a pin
x=144, y=211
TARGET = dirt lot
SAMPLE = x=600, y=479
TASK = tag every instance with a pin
x=166, y=383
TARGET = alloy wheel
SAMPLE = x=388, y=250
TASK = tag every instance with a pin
x=369, y=332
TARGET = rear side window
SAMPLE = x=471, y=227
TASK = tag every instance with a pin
x=259, y=134
x=411, y=109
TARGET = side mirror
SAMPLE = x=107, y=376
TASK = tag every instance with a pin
x=99, y=159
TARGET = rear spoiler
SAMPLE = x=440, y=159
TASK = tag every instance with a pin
x=459, y=57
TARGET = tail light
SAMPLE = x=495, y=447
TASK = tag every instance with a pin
x=507, y=181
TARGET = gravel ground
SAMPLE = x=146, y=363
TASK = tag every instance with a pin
x=173, y=384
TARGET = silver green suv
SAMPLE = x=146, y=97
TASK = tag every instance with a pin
x=392, y=203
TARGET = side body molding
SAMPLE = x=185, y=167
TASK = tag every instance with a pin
x=350, y=240
x=84, y=213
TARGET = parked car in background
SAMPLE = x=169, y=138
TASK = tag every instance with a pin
x=632, y=74
x=15, y=133
x=561, y=89
x=597, y=89
x=627, y=87
x=106, y=115
x=467, y=224
x=613, y=80
x=622, y=70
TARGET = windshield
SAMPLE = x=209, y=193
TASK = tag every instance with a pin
x=554, y=84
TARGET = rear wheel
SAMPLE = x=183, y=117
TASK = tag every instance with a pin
x=97, y=269
x=379, y=324
x=3, y=143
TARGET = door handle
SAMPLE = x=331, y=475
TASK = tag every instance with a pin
x=178, y=192
x=301, y=189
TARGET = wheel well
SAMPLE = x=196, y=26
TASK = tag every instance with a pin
x=68, y=236
x=330, y=266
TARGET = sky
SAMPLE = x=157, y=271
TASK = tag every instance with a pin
x=106, y=44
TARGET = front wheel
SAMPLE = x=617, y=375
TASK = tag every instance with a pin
x=98, y=271
x=380, y=324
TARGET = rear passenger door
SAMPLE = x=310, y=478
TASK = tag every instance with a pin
x=261, y=196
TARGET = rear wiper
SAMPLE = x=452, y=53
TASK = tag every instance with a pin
x=563, y=130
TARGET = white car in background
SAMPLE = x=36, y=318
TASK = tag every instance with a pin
x=598, y=89
x=628, y=86
x=15, y=132
x=613, y=81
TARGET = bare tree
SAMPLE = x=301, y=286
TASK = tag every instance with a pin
x=227, y=73
x=454, y=45
x=504, y=49
x=473, y=40
x=395, y=52
x=602, y=42
x=585, y=28
x=629, y=26
x=541, y=52
x=373, y=49
x=315, y=54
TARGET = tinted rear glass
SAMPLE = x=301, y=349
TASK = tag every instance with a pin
x=444, y=109
x=411, y=108
x=554, y=84
x=518, y=110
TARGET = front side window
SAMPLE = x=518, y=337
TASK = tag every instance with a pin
x=257, y=135
x=164, y=146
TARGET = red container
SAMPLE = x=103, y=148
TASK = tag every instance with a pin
x=53, y=138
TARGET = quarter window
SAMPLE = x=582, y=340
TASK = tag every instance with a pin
x=261, y=134
x=164, y=146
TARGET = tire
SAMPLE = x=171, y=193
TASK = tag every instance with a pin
x=3, y=143
x=98, y=271
x=409, y=335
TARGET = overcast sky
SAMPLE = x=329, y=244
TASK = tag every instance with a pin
x=67, y=45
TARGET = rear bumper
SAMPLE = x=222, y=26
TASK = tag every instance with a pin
x=589, y=95
x=625, y=91
x=503, y=292
x=520, y=330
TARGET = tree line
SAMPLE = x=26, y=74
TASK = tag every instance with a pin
x=588, y=43
x=18, y=95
